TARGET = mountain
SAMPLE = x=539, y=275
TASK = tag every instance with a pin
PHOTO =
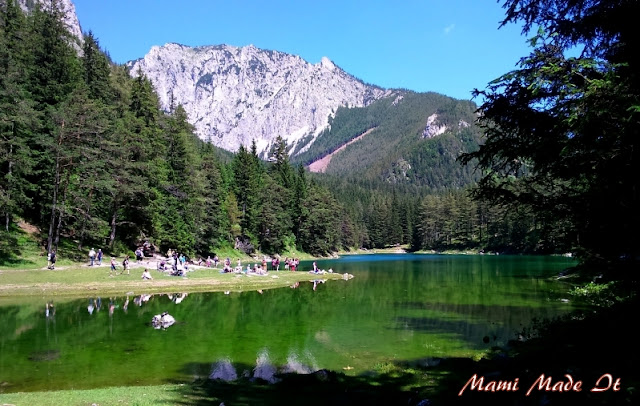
x=234, y=95
x=330, y=121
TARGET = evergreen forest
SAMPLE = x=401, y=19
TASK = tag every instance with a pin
x=87, y=155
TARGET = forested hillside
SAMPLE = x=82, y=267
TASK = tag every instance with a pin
x=86, y=154
x=415, y=139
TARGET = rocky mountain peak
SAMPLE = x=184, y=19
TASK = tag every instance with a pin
x=234, y=95
x=327, y=64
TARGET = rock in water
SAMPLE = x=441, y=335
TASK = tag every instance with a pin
x=163, y=320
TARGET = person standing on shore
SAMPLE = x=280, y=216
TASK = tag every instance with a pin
x=125, y=264
x=113, y=267
x=92, y=256
x=99, y=257
x=51, y=260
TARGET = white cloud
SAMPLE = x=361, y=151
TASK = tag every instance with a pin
x=449, y=28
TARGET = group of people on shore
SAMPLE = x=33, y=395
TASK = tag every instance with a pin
x=289, y=264
x=317, y=270
x=179, y=264
x=256, y=270
x=95, y=257
x=126, y=266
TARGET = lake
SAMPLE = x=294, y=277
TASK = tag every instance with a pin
x=397, y=308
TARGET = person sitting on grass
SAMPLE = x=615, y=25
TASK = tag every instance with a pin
x=180, y=271
x=146, y=275
x=261, y=270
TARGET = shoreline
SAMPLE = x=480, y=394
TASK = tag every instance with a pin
x=79, y=280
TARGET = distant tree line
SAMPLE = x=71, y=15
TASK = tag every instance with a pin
x=445, y=219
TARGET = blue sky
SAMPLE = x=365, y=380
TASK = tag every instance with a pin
x=446, y=46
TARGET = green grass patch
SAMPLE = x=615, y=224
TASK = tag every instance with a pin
x=19, y=250
x=130, y=395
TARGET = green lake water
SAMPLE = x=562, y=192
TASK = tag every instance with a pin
x=397, y=308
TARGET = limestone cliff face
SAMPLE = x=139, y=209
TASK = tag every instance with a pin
x=234, y=95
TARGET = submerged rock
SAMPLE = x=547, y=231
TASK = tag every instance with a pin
x=295, y=366
x=224, y=371
x=48, y=355
x=264, y=369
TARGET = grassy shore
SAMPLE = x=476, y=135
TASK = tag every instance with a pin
x=130, y=395
x=79, y=280
x=24, y=273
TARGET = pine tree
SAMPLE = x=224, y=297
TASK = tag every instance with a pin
x=134, y=151
x=79, y=124
x=274, y=221
x=319, y=230
x=182, y=204
x=247, y=181
x=300, y=192
x=281, y=171
x=213, y=223
x=96, y=69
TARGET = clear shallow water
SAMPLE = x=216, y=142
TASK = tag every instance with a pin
x=397, y=308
